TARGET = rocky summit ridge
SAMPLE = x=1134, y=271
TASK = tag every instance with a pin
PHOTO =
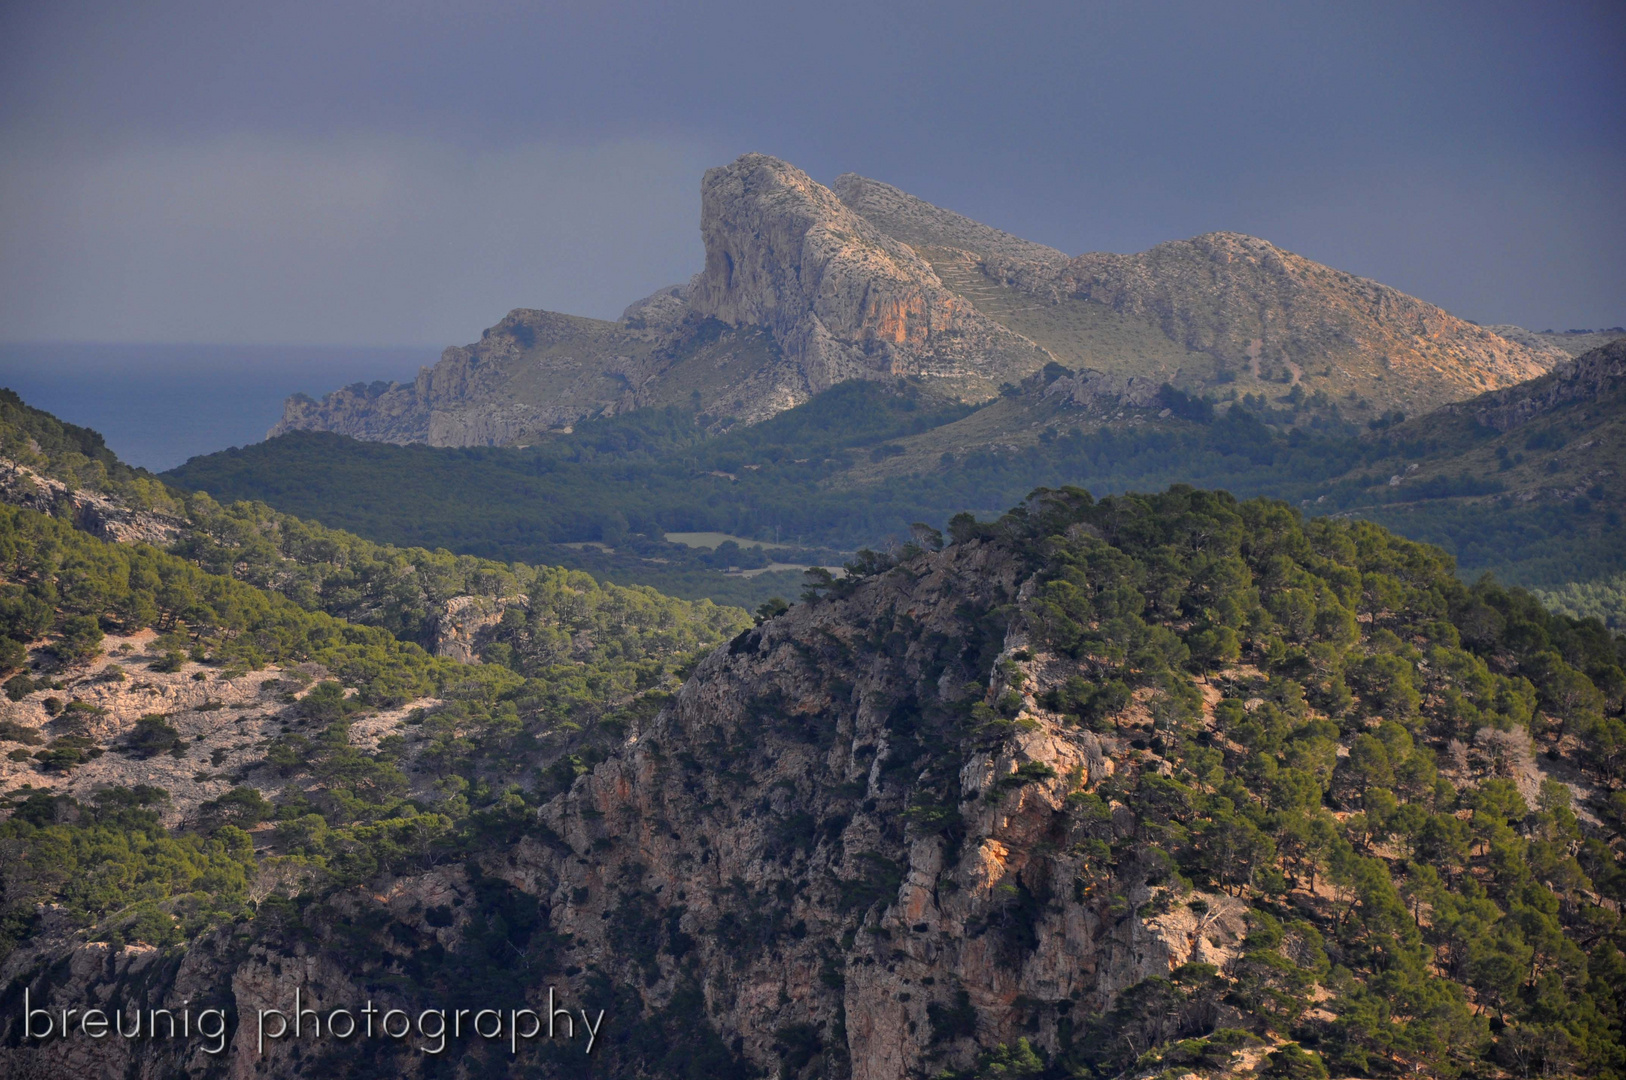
x=1249, y=303
x=806, y=286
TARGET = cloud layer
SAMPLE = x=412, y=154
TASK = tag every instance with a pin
x=360, y=171
x=347, y=241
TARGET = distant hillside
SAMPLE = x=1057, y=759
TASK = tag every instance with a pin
x=1573, y=342
x=923, y=226
x=537, y=371
x=861, y=462
x=1231, y=311
x=1529, y=478
x=805, y=287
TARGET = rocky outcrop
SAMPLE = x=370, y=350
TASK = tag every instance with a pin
x=222, y=718
x=1593, y=375
x=464, y=624
x=663, y=309
x=808, y=839
x=1100, y=390
x=781, y=805
x=843, y=299
x=92, y=512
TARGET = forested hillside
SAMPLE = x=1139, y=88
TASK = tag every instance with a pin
x=1157, y=785
x=523, y=612
x=66, y=596
x=1103, y=788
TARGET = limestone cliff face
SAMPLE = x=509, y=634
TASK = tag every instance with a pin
x=775, y=816
x=842, y=298
x=464, y=623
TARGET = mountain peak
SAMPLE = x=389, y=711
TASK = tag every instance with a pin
x=842, y=298
x=806, y=286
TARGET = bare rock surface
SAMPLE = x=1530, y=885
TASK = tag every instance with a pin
x=803, y=731
x=463, y=623
x=1248, y=302
x=223, y=721
x=862, y=280
x=89, y=511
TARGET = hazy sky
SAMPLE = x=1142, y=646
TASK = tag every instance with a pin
x=405, y=172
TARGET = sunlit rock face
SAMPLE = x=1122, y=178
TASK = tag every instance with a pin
x=842, y=298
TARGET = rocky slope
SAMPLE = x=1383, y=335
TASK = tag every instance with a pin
x=537, y=371
x=922, y=226
x=1573, y=342
x=1533, y=471
x=1265, y=315
x=776, y=811
x=1598, y=375
x=1561, y=436
x=106, y=516
x=806, y=286
x=223, y=721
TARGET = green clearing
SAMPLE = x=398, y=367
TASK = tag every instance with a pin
x=712, y=540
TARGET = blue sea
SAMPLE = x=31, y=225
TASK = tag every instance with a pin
x=158, y=405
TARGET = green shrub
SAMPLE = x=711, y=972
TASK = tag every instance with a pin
x=153, y=735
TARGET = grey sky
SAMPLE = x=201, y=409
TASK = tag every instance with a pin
x=405, y=172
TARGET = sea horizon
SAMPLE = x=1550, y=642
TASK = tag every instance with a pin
x=159, y=404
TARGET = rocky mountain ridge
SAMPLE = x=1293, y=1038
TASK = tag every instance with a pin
x=806, y=286
x=1268, y=315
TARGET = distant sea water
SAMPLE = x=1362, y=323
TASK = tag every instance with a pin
x=158, y=405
